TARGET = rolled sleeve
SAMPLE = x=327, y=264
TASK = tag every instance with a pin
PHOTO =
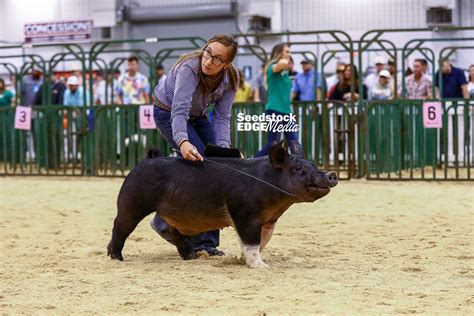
x=185, y=86
x=222, y=118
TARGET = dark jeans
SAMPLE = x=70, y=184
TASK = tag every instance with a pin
x=200, y=133
x=274, y=137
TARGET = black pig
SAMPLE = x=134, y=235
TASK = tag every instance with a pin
x=194, y=197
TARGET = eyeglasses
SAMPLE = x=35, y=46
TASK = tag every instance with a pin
x=215, y=60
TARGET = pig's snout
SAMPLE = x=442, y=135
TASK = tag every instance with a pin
x=332, y=178
x=325, y=179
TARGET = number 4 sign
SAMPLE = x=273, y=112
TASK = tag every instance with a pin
x=23, y=118
x=432, y=115
x=146, y=117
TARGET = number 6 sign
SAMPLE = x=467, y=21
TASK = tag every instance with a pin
x=146, y=117
x=432, y=115
x=23, y=118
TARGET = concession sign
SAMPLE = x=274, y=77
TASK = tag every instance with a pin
x=57, y=31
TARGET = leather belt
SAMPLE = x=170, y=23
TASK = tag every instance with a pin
x=162, y=106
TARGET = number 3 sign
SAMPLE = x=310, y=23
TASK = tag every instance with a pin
x=146, y=117
x=432, y=115
x=23, y=118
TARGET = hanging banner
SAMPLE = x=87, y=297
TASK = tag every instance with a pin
x=57, y=31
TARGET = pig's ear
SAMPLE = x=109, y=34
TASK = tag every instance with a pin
x=279, y=158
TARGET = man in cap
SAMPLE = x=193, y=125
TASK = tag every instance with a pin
x=74, y=95
x=305, y=86
x=382, y=90
x=372, y=79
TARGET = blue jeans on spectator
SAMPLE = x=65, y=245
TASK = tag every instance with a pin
x=275, y=137
x=200, y=133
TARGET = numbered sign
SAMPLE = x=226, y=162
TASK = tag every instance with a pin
x=23, y=118
x=146, y=117
x=432, y=115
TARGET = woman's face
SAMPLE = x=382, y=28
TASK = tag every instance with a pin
x=285, y=53
x=471, y=73
x=214, y=58
x=347, y=73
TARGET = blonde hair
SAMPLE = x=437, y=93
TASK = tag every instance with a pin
x=204, y=81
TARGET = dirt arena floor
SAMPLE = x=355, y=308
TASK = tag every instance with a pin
x=367, y=248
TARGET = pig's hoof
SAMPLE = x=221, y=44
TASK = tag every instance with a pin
x=189, y=256
x=257, y=264
x=214, y=252
x=114, y=254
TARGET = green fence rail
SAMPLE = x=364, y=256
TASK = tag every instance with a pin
x=383, y=140
x=398, y=146
x=53, y=146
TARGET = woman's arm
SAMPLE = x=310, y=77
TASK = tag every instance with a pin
x=222, y=118
x=185, y=86
x=281, y=65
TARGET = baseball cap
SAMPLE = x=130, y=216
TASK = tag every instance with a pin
x=379, y=60
x=73, y=81
x=384, y=73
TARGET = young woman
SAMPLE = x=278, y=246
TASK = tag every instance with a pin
x=194, y=82
x=470, y=83
x=342, y=92
x=279, y=98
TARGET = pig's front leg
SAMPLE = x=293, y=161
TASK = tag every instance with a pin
x=249, y=238
x=266, y=234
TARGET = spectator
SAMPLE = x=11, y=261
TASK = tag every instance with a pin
x=372, y=79
x=336, y=77
x=29, y=87
x=417, y=85
x=104, y=88
x=391, y=67
x=57, y=93
x=260, y=91
x=382, y=89
x=424, y=67
x=6, y=96
x=470, y=85
x=244, y=92
x=304, y=85
x=160, y=74
x=279, y=102
x=340, y=76
x=408, y=72
x=74, y=94
x=132, y=87
x=342, y=92
x=453, y=80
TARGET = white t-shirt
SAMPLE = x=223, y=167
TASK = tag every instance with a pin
x=371, y=80
x=470, y=89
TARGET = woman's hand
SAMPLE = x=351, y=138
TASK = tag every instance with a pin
x=189, y=152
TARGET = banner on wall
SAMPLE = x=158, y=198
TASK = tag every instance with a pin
x=57, y=31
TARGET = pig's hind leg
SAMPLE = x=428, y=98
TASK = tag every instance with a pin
x=126, y=221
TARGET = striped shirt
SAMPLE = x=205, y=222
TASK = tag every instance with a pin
x=180, y=91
